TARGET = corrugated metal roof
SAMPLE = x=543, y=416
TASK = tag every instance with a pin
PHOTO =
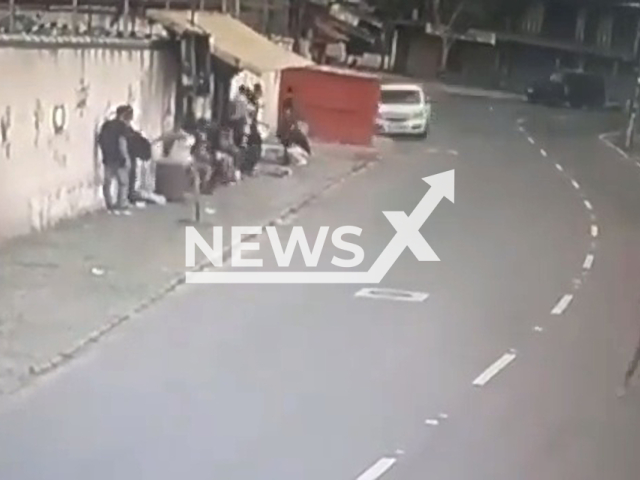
x=234, y=42
x=178, y=21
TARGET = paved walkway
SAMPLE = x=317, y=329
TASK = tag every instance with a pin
x=64, y=288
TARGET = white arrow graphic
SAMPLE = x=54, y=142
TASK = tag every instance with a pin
x=407, y=236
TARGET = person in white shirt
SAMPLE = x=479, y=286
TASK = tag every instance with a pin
x=239, y=115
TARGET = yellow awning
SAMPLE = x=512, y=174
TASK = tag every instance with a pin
x=234, y=42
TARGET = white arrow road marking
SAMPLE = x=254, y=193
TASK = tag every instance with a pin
x=494, y=369
x=562, y=304
x=442, y=186
x=407, y=235
x=378, y=469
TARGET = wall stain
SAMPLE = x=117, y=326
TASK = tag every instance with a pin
x=5, y=130
x=131, y=95
x=60, y=158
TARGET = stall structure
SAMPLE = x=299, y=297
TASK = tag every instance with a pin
x=240, y=55
x=338, y=105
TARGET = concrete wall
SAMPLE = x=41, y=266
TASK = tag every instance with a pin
x=51, y=106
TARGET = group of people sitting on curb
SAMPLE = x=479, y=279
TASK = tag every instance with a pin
x=218, y=154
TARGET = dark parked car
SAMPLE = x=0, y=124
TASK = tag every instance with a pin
x=578, y=89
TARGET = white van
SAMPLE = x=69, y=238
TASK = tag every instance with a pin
x=403, y=109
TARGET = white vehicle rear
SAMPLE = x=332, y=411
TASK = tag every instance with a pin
x=403, y=109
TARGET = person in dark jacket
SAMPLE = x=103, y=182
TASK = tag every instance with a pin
x=253, y=152
x=113, y=141
x=285, y=131
x=139, y=149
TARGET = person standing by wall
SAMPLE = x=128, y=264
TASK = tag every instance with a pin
x=113, y=143
x=253, y=151
x=239, y=114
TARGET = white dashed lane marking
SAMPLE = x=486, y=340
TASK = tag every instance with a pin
x=494, y=369
x=562, y=304
x=378, y=469
x=575, y=184
x=587, y=204
x=559, y=167
x=594, y=231
x=543, y=152
x=588, y=262
x=392, y=294
x=637, y=164
x=531, y=140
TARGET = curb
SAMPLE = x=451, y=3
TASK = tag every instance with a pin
x=604, y=138
x=40, y=369
x=479, y=93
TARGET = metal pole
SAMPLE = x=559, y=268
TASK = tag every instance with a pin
x=265, y=16
x=125, y=14
x=193, y=12
x=12, y=16
x=237, y=9
x=633, y=113
x=74, y=17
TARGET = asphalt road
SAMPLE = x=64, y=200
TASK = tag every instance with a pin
x=539, y=270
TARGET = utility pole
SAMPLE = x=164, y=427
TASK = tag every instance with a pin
x=635, y=104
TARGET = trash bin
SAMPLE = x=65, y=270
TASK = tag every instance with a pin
x=172, y=176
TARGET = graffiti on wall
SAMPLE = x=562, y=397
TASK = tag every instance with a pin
x=5, y=131
x=38, y=118
x=59, y=126
x=82, y=94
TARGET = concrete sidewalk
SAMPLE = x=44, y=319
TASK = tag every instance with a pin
x=64, y=288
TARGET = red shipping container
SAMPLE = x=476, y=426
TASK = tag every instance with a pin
x=340, y=106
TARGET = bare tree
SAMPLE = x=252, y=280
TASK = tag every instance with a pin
x=444, y=21
x=450, y=18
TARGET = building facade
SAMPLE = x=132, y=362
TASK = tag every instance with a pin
x=523, y=44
